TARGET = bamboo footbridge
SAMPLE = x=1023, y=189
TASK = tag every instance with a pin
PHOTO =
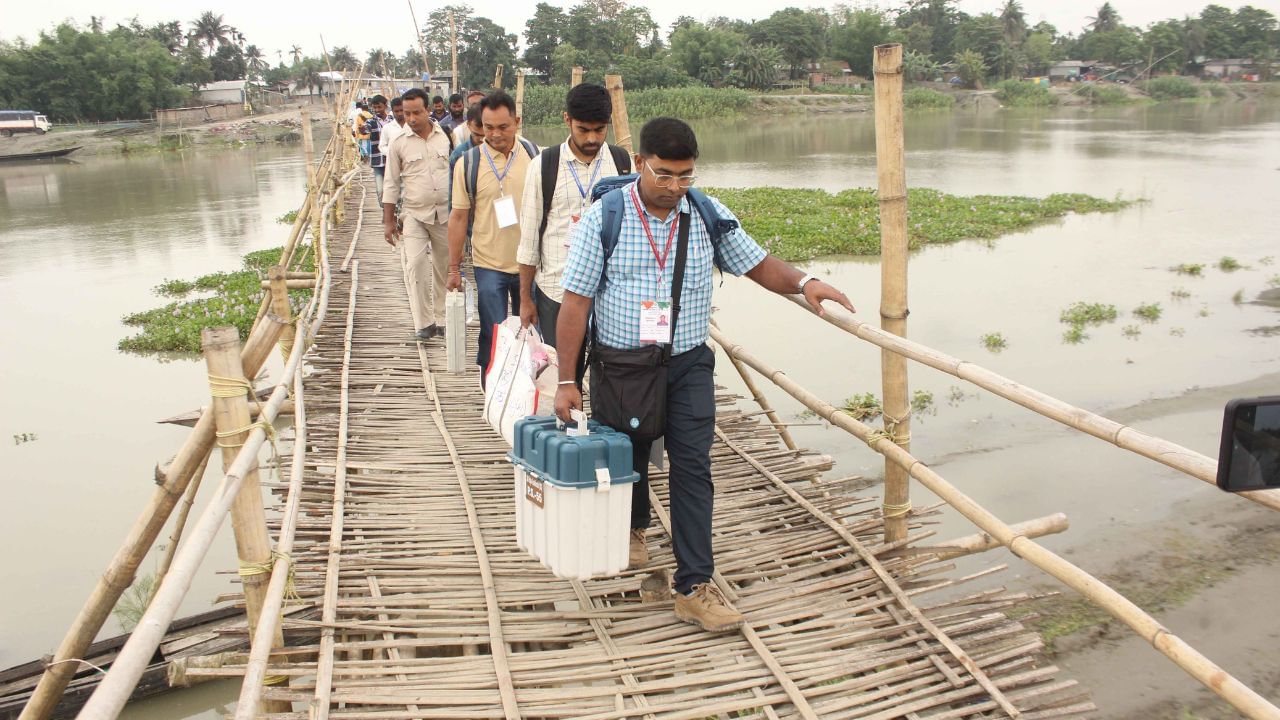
x=389, y=555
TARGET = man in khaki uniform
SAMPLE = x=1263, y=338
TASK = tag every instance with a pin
x=419, y=160
x=488, y=185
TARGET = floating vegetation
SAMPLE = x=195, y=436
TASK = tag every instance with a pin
x=801, y=224
x=1177, y=331
x=20, y=438
x=1083, y=313
x=1171, y=88
x=1075, y=335
x=1266, y=260
x=922, y=403
x=1193, y=269
x=232, y=300
x=1229, y=264
x=288, y=218
x=957, y=395
x=1180, y=294
x=863, y=407
x=1273, y=281
x=1204, y=312
x=994, y=342
x=1131, y=331
x=1148, y=312
x=1238, y=298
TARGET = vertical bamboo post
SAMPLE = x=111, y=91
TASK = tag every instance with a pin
x=309, y=152
x=621, y=125
x=453, y=52
x=172, y=482
x=519, y=93
x=576, y=79
x=221, y=346
x=497, y=77
x=892, y=187
x=278, y=277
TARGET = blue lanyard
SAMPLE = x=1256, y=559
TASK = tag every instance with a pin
x=595, y=174
x=510, y=159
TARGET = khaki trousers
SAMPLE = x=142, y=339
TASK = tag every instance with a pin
x=426, y=262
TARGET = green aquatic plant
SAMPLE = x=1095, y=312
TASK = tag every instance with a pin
x=231, y=298
x=919, y=98
x=1131, y=331
x=1148, y=312
x=1273, y=281
x=1180, y=294
x=1171, y=87
x=1022, y=93
x=1193, y=269
x=1075, y=335
x=801, y=224
x=1238, y=298
x=1083, y=313
x=1229, y=264
x=1177, y=331
x=994, y=342
x=922, y=403
x=863, y=407
x=288, y=218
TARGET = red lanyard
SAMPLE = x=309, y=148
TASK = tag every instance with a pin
x=660, y=259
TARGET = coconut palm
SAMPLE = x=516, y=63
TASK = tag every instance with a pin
x=296, y=52
x=254, y=58
x=756, y=66
x=1014, y=22
x=342, y=59
x=1106, y=20
x=308, y=75
x=210, y=30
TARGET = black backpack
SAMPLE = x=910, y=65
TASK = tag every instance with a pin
x=551, y=173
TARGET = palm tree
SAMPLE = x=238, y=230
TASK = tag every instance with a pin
x=296, y=52
x=756, y=66
x=210, y=30
x=342, y=59
x=254, y=58
x=1106, y=20
x=308, y=75
x=1014, y=22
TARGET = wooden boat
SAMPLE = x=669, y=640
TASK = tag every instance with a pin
x=43, y=155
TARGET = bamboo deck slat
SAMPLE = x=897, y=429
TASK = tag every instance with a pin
x=430, y=610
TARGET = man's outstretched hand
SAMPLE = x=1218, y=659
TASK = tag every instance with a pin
x=815, y=291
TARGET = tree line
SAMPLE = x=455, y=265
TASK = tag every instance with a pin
x=87, y=73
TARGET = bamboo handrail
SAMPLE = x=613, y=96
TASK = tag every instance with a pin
x=1183, y=655
x=116, y=687
x=1162, y=451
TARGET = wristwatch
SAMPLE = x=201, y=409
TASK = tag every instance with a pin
x=804, y=281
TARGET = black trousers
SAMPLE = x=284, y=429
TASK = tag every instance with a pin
x=691, y=420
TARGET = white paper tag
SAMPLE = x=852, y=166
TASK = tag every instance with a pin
x=505, y=209
x=655, y=321
x=602, y=479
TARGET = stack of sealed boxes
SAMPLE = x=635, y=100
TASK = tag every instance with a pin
x=573, y=496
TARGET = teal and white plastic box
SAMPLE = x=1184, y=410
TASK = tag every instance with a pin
x=573, y=496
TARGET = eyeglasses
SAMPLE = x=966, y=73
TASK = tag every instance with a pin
x=668, y=181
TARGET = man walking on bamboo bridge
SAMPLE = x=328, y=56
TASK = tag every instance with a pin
x=652, y=373
x=419, y=159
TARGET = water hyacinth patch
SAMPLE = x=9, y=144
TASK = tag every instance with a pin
x=801, y=224
x=234, y=300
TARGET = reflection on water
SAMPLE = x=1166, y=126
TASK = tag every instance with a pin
x=81, y=244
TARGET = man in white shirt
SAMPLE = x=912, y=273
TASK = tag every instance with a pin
x=419, y=159
x=547, y=220
x=460, y=131
x=393, y=129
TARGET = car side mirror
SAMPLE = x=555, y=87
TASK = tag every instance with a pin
x=1249, y=456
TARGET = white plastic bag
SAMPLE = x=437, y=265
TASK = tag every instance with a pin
x=511, y=382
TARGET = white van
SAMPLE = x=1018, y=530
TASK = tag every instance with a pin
x=20, y=121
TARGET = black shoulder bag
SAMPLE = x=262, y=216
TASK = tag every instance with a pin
x=629, y=387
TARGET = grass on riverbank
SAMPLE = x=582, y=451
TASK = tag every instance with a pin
x=797, y=224
x=232, y=299
x=544, y=104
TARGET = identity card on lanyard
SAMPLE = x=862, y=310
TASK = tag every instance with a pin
x=655, y=315
x=504, y=208
x=583, y=193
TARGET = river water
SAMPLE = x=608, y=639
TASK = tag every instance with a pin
x=81, y=244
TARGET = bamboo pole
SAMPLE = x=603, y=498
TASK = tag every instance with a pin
x=1183, y=655
x=313, y=185
x=288, y=284
x=179, y=524
x=892, y=188
x=1162, y=451
x=497, y=77
x=172, y=482
x=422, y=46
x=982, y=542
x=575, y=79
x=519, y=93
x=453, y=52
x=621, y=123
x=278, y=285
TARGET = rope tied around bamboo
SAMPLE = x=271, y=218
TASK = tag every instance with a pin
x=267, y=566
x=229, y=387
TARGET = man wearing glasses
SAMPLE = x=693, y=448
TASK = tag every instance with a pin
x=629, y=288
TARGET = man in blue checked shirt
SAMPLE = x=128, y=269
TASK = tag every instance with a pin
x=628, y=312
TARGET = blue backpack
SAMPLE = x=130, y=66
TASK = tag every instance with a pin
x=608, y=191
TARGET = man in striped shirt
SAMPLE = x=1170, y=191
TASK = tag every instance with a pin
x=623, y=290
x=373, y=128
x=546, y=227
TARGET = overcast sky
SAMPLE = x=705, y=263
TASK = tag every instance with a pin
x=275, y=26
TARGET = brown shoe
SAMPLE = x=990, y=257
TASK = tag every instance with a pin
x=639, y=552
x=708, y=608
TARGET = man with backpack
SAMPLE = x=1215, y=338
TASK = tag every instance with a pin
x=652, y=373
x=418, y=173
x=486, y=196
x=557, y=192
